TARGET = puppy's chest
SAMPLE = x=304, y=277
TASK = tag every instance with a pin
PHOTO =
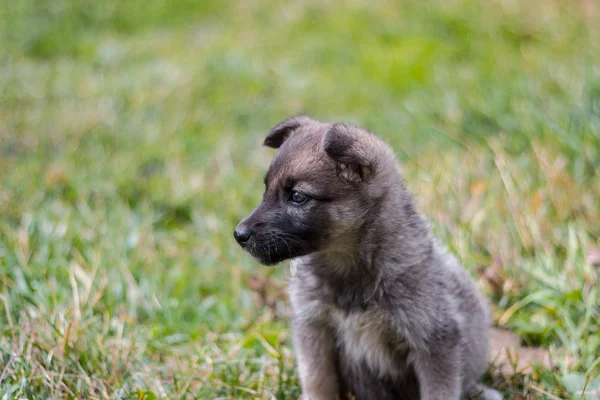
x=367, y=337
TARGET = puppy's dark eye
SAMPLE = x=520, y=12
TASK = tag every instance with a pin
x=298, y=198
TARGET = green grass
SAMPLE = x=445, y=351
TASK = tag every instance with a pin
x=130, y=148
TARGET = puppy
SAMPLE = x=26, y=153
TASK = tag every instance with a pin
x=380, y=310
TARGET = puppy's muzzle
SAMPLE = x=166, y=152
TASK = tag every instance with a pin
x=249, y=227
x=242, y=234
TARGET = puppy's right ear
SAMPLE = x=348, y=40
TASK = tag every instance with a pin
x=284, y=129
x=353, y=150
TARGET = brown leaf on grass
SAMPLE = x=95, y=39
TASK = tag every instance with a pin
x=490, y=277
x=496, y=278
x=593, y=256
x=269, y=293
x=507, y=353
x=55, y=176
x=478, y=187
x=537, y=200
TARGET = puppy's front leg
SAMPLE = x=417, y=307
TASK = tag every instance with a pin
x=439, y=371
x=315, y=353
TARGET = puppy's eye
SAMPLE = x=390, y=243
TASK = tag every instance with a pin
x=298, y=198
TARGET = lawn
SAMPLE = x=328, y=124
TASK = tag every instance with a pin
x=130, y=147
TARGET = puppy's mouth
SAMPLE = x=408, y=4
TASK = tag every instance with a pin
x=274, y=248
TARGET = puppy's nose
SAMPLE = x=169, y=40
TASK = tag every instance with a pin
x=242, y=234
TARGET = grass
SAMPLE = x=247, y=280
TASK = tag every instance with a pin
x=130, y=148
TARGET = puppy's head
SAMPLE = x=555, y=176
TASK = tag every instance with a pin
x=322, y=180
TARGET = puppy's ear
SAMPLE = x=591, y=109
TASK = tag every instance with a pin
x=351, y=149
x=284, y=129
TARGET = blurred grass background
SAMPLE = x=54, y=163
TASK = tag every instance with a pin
x=130, y=136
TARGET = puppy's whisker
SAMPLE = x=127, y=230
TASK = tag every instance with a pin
x=286, y=243
x=294, y=239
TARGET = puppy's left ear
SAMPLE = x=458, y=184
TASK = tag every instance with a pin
x=284, y=129
x=353, y=151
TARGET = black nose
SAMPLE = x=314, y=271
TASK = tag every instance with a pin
x=242, y=234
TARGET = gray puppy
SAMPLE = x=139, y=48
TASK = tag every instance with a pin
x=380, y=310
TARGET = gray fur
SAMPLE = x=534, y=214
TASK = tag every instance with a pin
x=380, y=310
